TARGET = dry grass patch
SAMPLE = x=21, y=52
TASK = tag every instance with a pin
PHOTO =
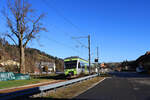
x=73, y=90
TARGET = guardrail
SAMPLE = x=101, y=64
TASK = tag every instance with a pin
x=41, y=89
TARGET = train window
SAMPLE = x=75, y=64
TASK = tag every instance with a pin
x=70, y=64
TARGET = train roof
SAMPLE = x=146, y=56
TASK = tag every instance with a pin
x=72, y=57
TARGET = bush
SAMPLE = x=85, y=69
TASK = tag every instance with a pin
x=11, y=68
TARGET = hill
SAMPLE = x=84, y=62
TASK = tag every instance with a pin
x=32, y=55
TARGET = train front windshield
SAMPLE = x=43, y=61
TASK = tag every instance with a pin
x=70, y=64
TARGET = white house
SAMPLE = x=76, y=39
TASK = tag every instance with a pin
x=51, y=66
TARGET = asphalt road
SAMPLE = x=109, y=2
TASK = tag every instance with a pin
x=121, y=86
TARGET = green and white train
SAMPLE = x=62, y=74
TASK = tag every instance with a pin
x=75, y=65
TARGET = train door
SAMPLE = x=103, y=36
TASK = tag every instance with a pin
x=79, y=68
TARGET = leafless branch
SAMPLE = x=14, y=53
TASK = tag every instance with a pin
x=35, y=29
x=11, y=38
x=10, y=25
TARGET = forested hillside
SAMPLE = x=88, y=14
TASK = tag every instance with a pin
x=11, y=52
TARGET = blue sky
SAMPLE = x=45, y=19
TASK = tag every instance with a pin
x=121, y=28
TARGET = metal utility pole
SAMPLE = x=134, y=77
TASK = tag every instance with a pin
x=97, y=53
x=89, y=47
x=97, y=58
x=96, y=61
x=89, y=50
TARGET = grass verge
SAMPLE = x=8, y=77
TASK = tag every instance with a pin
x=15, y=83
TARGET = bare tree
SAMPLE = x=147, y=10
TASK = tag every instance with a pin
x=23, y=25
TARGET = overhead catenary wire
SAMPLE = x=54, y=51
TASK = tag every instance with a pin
x=49, y=5
x=60, y=43
x=61, y=15
x=66, y=19
x=66, y=33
